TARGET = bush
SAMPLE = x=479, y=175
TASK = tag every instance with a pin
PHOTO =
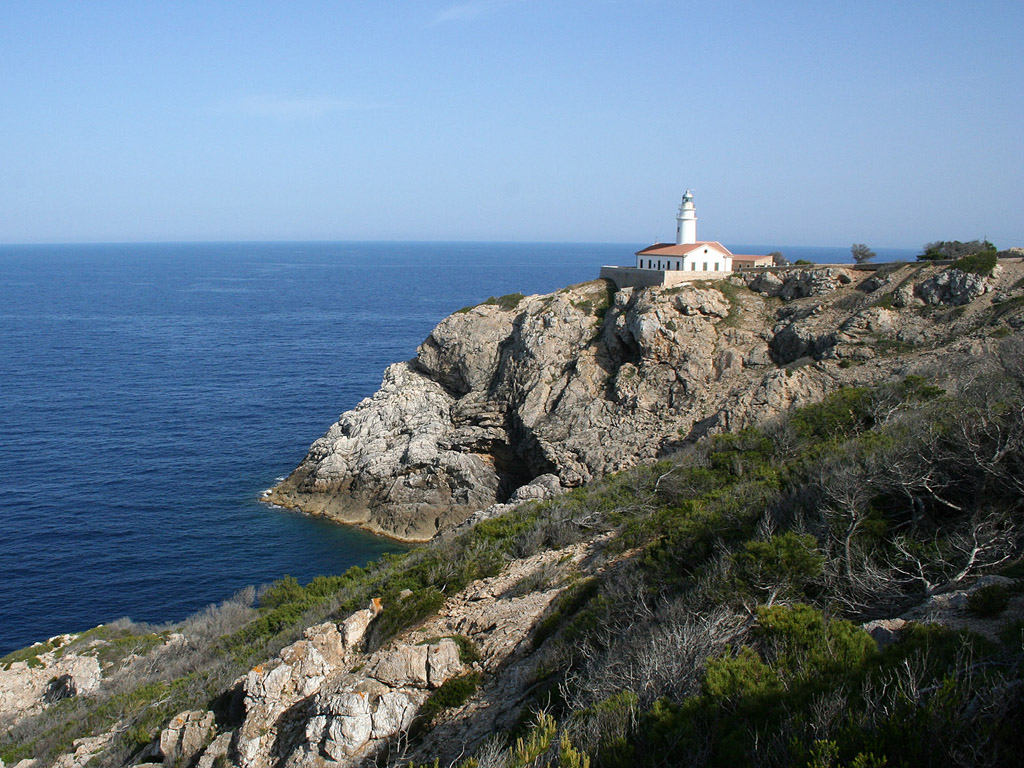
x=452, y=693
x=954, y=249
x=784, y=564
x=841, y=414
x=506, y=302
x=983, y=263
x=990, y=600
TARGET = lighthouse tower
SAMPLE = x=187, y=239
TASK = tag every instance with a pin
x=686, y=221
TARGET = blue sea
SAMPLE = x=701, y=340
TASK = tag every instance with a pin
x=149, y=393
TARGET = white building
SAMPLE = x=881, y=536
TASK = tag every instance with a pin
x=686, y=260
x=688, y=254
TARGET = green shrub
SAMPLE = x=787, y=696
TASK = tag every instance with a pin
x=284, y=591
x=954, y=249
x=983, y=263
x=990, y=600
x=402, y=614
x=568, y=604
x=506, y=302
x=29, y=655
x=452, y=693
x=743, y=679
x=808, y=646
x=841, y=414
x=784, y=564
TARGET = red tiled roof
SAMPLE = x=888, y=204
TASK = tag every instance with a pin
x=671, y=249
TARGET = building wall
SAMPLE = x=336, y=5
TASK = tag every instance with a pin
x=630, y=277
x=741, y=264
x=706, y=259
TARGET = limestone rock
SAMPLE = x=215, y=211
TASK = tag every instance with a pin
x=217, y=750
x=767, y=283
x=353, y=713
x=812, y=282
x=442, y=662
x=303, y=669
x=27, y=688
x=708, y=302
x=542, y=487
x=403, y=666
x=185, y=736
x=83, y=752
x=353, y=629
x=952, y=287
x=885, y=631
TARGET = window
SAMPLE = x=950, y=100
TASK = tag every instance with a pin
x=705, y=266
x=716, y=266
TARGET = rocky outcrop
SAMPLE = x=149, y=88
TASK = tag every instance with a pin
x=29, y=686
x=953, y=287
x=185, y=736
x=326, y=701
x=586, y=381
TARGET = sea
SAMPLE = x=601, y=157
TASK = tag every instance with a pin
x=149, y=393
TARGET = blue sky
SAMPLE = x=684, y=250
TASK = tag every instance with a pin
x=890, y=123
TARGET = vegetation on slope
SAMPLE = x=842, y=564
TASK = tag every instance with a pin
x=723, y=628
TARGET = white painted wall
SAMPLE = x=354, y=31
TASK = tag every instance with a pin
x=707, y=258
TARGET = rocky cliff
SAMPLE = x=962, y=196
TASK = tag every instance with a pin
x=521, y=396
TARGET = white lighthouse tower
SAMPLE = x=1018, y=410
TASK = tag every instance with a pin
x=686, y=221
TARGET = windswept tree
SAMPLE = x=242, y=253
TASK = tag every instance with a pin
x=861, y=253
x=778, y=260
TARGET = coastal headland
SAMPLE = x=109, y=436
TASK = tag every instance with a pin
x=521, y=397
x=782, y=502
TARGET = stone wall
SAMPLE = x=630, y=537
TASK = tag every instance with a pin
x=633, y=277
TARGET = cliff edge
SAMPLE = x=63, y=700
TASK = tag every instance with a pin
x=521, y=396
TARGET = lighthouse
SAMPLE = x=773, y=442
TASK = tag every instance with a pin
x=686, y=221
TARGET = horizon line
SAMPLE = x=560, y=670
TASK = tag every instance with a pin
x=245, y=241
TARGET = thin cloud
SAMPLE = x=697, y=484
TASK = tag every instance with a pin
x=294, y=109
x=468, y=10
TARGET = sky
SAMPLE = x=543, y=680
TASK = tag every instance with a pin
x=825, y=123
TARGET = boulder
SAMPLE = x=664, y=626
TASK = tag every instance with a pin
x=442, y=662
x=812, y=282
x=542, y=487
x=395, y=712
x=885, y=631
x=353, y=629
x=185, y=736
x=767, y=283
x=706, y=302
x=952, y=287
x=216, y=752
x=405, y=665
